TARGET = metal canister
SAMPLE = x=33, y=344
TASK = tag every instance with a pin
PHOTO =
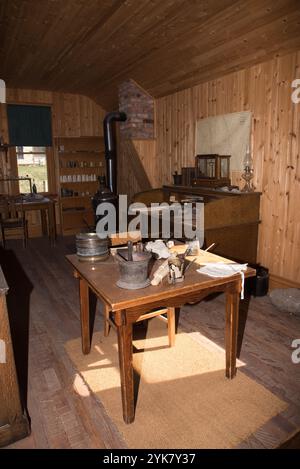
x=91, y=248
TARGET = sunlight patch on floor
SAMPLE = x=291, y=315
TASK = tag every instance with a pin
x=80, y=387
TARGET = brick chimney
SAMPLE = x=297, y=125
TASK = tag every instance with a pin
x=139, y=108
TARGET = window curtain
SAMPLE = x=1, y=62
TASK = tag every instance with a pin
x=29, y=126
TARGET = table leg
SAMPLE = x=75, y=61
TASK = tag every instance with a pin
x=85, y=316
x=126, y=371
x=171, y=326
x=44, y=222
x=231, y=331
x=52, y=223
x=106, y=311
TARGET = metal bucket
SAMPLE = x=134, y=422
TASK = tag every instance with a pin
x=91, y=248
x=134, y=274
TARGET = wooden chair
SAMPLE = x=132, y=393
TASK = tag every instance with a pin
x=165, y=314
x=10, y=220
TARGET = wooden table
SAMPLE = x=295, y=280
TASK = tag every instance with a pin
x=47, y=209
x=127, y=305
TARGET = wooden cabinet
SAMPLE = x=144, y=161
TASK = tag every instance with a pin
x=13, y=420
x=81, y=161
x=231, y=219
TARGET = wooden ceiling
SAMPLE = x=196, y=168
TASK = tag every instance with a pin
x=90, y=46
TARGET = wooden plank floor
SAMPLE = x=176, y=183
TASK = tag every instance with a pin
x=63, y=412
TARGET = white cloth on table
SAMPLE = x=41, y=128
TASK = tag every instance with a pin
x=219, y=269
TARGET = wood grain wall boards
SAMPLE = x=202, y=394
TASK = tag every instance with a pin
x=265, y=90
x=72, y=116
x=91, y=47
x=280, y=282
x=134, y=166
x=146, y=153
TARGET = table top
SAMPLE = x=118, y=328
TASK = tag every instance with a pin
x=33, y=200
x=102, y=277
x=35, y=203
x=23, y=202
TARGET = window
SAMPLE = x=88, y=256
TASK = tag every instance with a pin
x=32, y=163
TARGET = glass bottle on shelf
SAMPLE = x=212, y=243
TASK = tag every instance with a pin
x=34, y=188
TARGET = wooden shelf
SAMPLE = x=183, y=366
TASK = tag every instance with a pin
x=62, y=198
x=79, y=152
x=77, y=170
x=78, y=182
x=76, y=210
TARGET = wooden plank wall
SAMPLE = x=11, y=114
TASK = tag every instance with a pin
x=265, y=90
x=136, y=166
x=72, y=116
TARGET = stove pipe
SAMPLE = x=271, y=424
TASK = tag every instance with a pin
x=110, y=148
